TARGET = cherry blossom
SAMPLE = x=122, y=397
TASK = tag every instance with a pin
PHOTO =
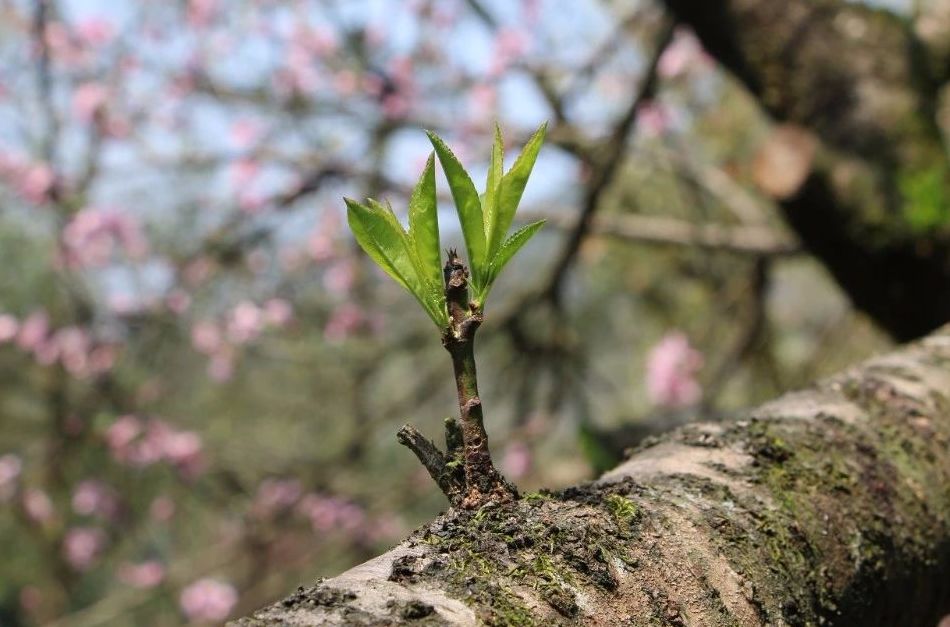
x=653, y=119
x=10, y=468
x=33, y=331
x=93, y=497
x=82, y=546
x=37, y=506
x=278, y=312
x=275, y=496
x=201, y=12
x=206, y=337
x=221, y=366
x=162, y=509
x=671, y=368
x=208, y=600
x=344, y=321
x=142, y=575
x=682, y=55
x=516, y=460
x=35, y=182
x=92, y=236
x=245, y=322
x=328, y=513
x=88, y=100
x=339, y=277
x=95, y=31
x=8, y=327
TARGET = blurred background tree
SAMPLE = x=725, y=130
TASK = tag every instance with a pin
x=202, y=376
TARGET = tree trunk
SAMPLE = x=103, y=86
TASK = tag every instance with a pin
x=873, y=201
x=827, y=506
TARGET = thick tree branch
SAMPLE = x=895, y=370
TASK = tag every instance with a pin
x=872, y=203
x=826, y=506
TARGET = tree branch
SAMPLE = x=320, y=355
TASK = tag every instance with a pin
x=826, y=506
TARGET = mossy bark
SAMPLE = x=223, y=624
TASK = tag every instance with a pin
x=875, y=204
x=827, y=506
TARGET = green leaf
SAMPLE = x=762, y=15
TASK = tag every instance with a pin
x=512, y=187
x=468, y=206
x=424, y=225
x=492, y=189
x=508, y=250
x=379, y=233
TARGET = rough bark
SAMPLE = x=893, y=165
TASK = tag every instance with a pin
x=830, y=505
x=874, y=203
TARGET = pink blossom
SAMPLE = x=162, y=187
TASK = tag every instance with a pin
x=143, y=575
x=208, y=600
x=31, y=598
x=345, y=82
x=82, y=546
x=10, y=468
x=73, y=345
x=206, y=337
x=121, y=434
x=328, y=513
x=95, y=31
x=244, y=133
x=321, y=245
x=178, y=301
x=95, y=498
x=139, y=443
x=88, y=100
x=670, y=372
x=482, y=100
x=339, y=277
x=275, y=496
x=278, y=312
x=36, y=182
x=92, y=235
x=38, y=506
x=8, y=327
x=653, y=119
x=221, y=366
x=345, y=320
x=61, y=43
x=243, y=171
x=395, y=106
x=245, y=323
x=517, y=459
x=33, y=331
x=197, y=271
x=184, y=450
x=509, y=45
x=102, y=359
x=201, y=12
x=162, y=509
x=683, y=54
x=319, y=41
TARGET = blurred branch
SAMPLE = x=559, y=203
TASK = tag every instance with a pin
x=604, y=162
x=744, y=239
x=44, y=80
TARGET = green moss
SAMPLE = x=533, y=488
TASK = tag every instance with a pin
x=621, y=508
x=926, y=205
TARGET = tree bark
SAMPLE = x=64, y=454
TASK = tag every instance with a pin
x=830, y=505
x=873, y=203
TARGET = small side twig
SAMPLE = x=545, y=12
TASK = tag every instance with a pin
x=440, y=469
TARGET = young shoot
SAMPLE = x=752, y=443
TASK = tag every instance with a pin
x=453, y=295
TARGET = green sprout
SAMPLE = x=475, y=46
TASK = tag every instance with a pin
x=452, y=295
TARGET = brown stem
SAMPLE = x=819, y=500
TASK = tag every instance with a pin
x=483, y=482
